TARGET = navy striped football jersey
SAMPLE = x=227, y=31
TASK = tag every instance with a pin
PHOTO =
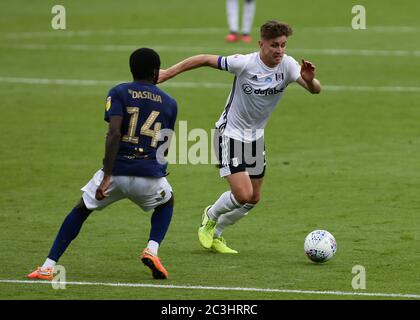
x=146, y=111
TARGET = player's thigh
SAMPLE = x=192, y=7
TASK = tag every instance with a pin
x=89, y=191
x=146, y=192
x=230, y=156
x=257, y=184
x=256, y=189
x=255, y=158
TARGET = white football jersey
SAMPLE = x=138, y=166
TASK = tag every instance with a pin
x=256, y=90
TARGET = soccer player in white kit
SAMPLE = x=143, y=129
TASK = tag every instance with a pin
x=260, y=80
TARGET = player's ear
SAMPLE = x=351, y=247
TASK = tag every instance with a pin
x=155, y=76
x=260, y=43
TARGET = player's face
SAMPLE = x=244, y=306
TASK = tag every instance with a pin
x=272, y=50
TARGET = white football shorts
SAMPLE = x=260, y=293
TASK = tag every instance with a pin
x=146, y=192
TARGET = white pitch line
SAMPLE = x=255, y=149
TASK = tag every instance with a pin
x=191, y=287
x=203, y=49
x=358, y=52
x=67, y=82
x=116, y=32
x=79, y=82
x=194, y=85
x=369, y=29
x=372, y=88
x=196, y=31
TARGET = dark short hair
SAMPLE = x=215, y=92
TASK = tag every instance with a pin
x=273, y=29
x=143, y=63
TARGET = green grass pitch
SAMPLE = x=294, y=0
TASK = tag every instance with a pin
x=346, y=160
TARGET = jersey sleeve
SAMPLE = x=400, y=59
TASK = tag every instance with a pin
x=293, y=70
x=234, y=64
x=174, y=114
x=114, y=105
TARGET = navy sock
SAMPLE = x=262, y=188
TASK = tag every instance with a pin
x=68, y=231
x=161, y=218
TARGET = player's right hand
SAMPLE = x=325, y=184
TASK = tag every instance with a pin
x=101, y=191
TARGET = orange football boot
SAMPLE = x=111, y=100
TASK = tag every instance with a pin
x=42, y=274
x=232, y=37
x=153, y=262
x=246, y=38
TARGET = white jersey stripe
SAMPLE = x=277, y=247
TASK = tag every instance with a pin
x=225, y=150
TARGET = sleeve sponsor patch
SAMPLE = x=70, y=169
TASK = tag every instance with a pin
x=108, y=103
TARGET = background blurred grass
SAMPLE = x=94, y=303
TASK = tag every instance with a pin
x=345, y=161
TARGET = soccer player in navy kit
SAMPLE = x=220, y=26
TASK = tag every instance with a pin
x=133, y=168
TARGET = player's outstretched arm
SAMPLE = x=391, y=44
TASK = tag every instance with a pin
x=193, y=62
x=112, y=144
x=307, y=77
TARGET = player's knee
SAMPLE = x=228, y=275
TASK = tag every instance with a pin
x=81, y=208
x=243, y=196
x=170, y=202
x=255, y=198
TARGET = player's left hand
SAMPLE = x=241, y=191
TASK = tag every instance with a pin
x=307, y=71
x=101, y=191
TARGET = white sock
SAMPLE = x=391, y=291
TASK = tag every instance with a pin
x=232, y=217
x=49, y=263
x=225, y=203
x=248, y=16
x=232, y=10
x=153, y=246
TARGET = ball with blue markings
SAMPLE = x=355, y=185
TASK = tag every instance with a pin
x=320, y=246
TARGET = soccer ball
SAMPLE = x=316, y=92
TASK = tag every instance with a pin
x=320, y=246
